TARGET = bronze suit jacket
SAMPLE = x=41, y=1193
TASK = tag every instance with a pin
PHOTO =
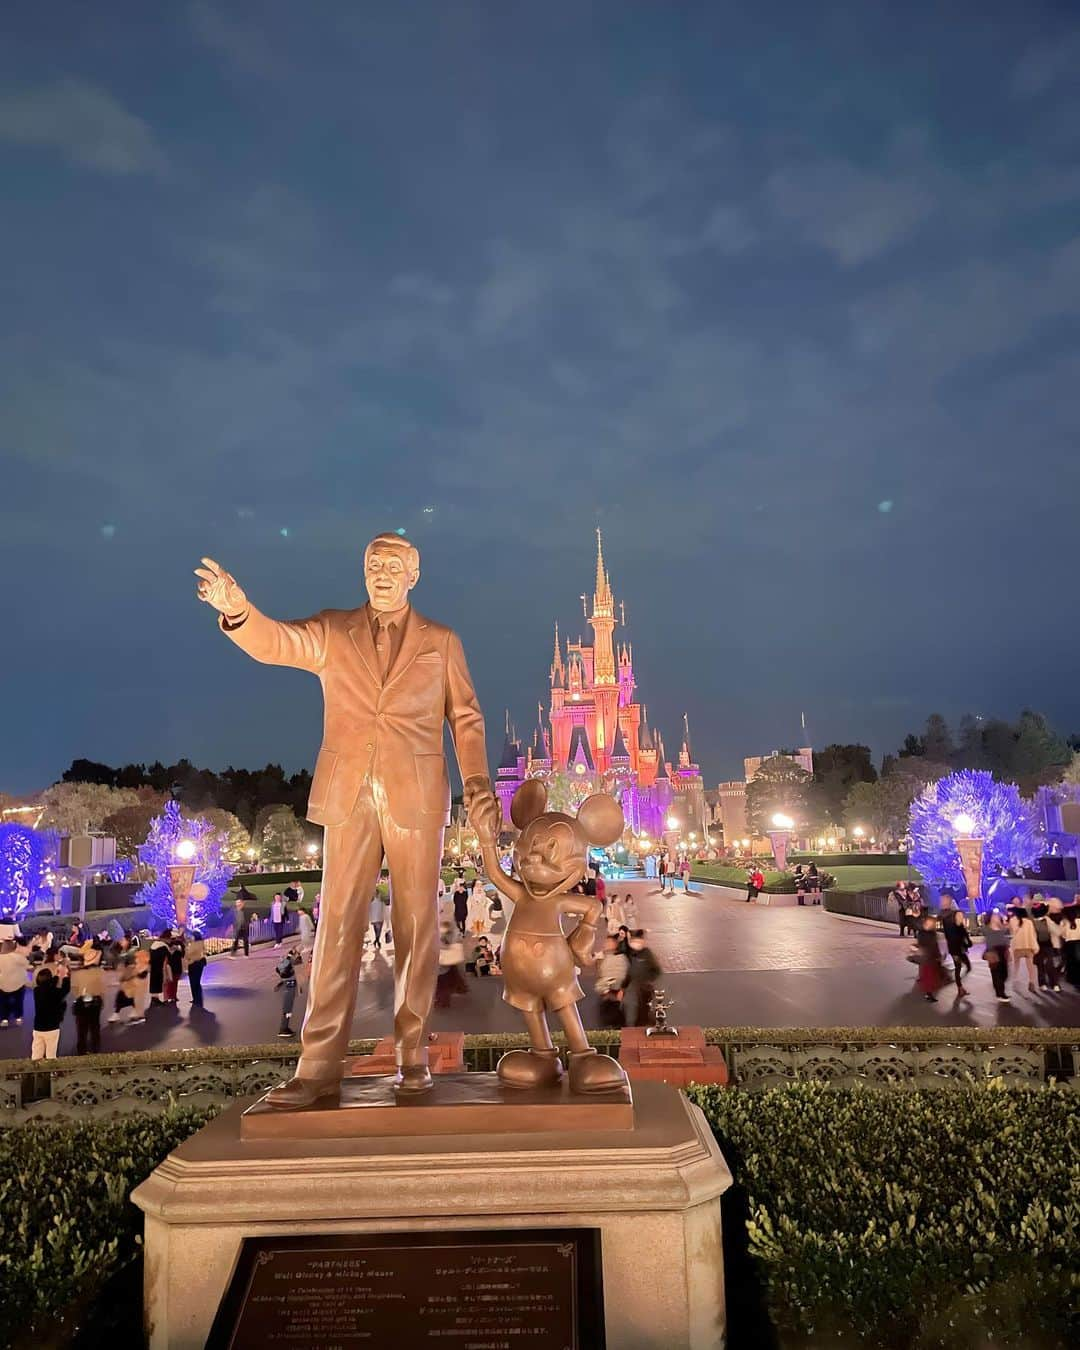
x=390, y=732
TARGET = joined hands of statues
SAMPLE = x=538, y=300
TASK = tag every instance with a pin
x=485, y=816
x=220, y=589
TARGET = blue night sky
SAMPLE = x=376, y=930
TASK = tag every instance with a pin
x=785, y=296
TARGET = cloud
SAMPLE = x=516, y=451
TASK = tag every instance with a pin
x=83, y=122
x=1044, y=65
x=851, y=212
x=242, y=46
x=729, y=231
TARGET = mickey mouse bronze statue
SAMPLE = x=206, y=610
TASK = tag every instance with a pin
x=539, y=962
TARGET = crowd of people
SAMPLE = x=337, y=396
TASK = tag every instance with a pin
x=148, y=972
x=1036, y=940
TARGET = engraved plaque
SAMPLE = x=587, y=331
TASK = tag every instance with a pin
x=486, y=1289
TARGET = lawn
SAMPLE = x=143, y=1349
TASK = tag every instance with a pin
x=860, y=877
x=863, y=877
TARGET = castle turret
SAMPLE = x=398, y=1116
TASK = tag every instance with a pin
x=647, y=756
x=602, y=621
x=539, y=756
x=510, y=774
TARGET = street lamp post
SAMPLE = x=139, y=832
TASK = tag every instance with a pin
x=779, y=836
x=970, y=848
x=182, y=878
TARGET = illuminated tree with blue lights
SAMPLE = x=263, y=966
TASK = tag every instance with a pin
x=212, y=873
x=24, y=868
x=1005, y=821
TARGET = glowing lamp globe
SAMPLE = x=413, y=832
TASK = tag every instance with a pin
x=312, y=849
x=858, y=831
x=673, y=822
x=186, y=850
x=831, y=843
x=963, y=823
x=782, y=822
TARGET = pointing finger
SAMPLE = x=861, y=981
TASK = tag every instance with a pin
x=205, y=574
x=209, y=562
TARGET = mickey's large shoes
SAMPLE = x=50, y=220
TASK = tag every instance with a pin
x=300, y=1092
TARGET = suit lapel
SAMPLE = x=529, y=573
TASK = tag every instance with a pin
x=360, y=632
x=411, y=642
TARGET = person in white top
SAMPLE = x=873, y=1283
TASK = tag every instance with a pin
x=478, y=920
x=616, y=914
x=13, y=970
x=277, y=918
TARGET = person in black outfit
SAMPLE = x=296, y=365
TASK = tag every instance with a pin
x=957, y=941
x=460, y=897
x=159, y=955
x=241, y=928
x=288, y=984
x=195, y=955
x=50, y=1004
x=644, y=972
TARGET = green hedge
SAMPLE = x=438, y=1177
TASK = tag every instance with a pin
x=924, y=1219
x=510, y=1040
x=927, y=1219
x=70, y=1230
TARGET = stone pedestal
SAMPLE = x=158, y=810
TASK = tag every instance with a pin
x=652, y=1192
x=446, y=1054
x=677, y=1060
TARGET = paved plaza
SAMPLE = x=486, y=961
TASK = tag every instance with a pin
x=726, y=963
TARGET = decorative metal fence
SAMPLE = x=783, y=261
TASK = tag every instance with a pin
x=149, y=1082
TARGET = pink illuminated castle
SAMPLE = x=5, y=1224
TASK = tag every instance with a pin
x=597, y=736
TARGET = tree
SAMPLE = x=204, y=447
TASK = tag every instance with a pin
x=1072, y=770
x=1005, y=822
x=780, y=785
x=74, y=808
x=837, y=769
x=89, y=771
x=882, y=808
x=282, y=836
x=937, y=740
x=235, y=838
x=130, y=826
x=1039, y=755
x=212, y=873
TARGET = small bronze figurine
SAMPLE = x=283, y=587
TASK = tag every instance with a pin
x=538, y=960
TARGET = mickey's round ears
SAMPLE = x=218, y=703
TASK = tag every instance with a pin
x=529, y=802
x=601, y=817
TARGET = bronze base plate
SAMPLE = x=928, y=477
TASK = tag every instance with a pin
x=456, y=1103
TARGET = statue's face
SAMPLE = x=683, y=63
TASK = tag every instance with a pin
x=389, y=576
x=549, y=855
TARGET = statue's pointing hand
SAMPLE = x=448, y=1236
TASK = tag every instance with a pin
x=220, y=589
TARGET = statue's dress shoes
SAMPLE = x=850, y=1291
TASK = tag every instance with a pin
x=412, y=1078
x=298, y=1092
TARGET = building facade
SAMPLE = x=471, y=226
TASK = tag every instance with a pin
x=596, y=736
x=803, y=757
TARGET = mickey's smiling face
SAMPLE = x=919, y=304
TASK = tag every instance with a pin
x=551, y=851
x=550, y=854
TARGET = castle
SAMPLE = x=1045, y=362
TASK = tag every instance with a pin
x=597, y=736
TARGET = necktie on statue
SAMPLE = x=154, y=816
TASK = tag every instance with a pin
x=384, y=642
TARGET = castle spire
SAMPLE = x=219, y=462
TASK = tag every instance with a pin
x=602, y=621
